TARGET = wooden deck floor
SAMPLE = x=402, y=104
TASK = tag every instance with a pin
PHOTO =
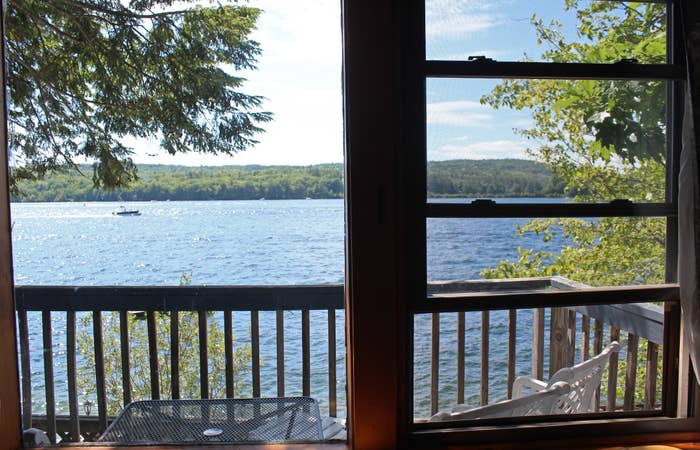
x=334, y=429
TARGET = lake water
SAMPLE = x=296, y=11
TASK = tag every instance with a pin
x=244, y=242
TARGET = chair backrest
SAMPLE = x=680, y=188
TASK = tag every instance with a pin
x=537, y=403
x=584, y=378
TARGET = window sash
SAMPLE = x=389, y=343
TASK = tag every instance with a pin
x=414, y=104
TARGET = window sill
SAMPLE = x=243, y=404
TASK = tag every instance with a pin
x=312, y=446
x=661, y=441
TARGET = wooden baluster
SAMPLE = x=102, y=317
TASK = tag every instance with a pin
x=126, y=362
x=597, y=348
x=484, y=357
x=153, y=354
x=585, y=338
x=203, y=354
x=25, y=360
x=652, y=370
x=228, y=357
x=558, y=337
x=435, y=363
x=571, y=338
x=460, y=357
x=631, y=374
x=512, y=334
x=306, y=352
x=538, y=343
x=332, y=380
x=175, y=355
x=100, y=370
x=612, y=371
x=280, y=353
x=255, y=350
x=228, y=352
x=48, y=376
x=72, y=375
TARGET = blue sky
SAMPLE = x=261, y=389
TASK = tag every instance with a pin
x=459, y=126
x=299, y=73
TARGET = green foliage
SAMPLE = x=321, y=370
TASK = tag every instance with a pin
x=188, y=332
x=487, y=178
x=139, y=358
x=491, y=178
x=83, y=74
x=605, y=140
x=602, y=252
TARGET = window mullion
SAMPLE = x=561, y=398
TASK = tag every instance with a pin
x=532, y=210
x=544, y=70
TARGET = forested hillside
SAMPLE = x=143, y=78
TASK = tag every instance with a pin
x=500, y=178
x=492, y=178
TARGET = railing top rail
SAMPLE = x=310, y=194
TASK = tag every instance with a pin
x=644, y=320
x=178, y=298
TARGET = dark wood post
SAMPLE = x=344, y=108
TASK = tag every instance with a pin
x=558, y=340
x=10, y=426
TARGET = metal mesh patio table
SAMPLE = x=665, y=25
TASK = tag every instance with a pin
x=286, y=419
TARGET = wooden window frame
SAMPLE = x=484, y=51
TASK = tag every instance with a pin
x=10, y=425
x=503, y=431
x=382, y=184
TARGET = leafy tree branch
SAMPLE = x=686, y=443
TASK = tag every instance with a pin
x=83, y=75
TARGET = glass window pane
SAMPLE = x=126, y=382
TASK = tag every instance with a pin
x=609, y=251
x=580, y=140
x=465, y=361
x=545, y=30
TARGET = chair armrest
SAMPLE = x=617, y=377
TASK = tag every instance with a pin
x=521, y=382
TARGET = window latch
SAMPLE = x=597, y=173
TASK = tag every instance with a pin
x=483, y=202
x=479, y=58
x=628, y=61
x=622, y=203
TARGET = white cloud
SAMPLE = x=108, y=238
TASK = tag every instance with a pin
x=461, y=113
x=456, y=18
x=480, y=150
x=299, y=74
x=460, y=25
x=299, y=32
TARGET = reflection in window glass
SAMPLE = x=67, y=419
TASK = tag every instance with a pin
x=545, y=30
x=465, y=361
x=608, y=251
x=587, y=140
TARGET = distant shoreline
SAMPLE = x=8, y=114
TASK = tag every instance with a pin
x=283, y=199
x=446, y=179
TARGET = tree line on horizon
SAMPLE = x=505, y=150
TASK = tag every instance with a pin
x=457, y=178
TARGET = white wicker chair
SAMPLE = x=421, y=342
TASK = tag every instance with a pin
x=584, y=379
x=569, y=391
x=537, y=403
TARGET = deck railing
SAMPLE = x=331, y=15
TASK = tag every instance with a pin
x=575, y=333
x=51, y=300
x=560, y=337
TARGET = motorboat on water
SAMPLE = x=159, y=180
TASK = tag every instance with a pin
x=122, y=211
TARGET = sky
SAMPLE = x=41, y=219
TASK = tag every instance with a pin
x=299, y=74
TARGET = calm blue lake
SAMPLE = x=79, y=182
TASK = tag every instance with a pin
x=250, y=242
